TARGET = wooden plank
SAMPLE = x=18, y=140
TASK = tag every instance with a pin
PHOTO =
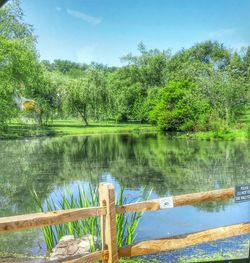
x=190, y=199
x=108, y=224
x=89, y=258
x=187, y=199
x=150, y=205
x=177, y=242
x=103, y=222
x=22, y=222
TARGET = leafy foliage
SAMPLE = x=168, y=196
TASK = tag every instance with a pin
x=201, y=88
x=178, y=107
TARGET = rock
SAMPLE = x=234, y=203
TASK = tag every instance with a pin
x=84, y=245
x=72, y=249
x=69, y=246
x=58, y=251
x=67, y=238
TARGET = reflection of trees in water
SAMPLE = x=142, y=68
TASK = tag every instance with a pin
x=167, y=165
x=25, y=242
x=25, y=166
x=153, y=160
x=214, y=206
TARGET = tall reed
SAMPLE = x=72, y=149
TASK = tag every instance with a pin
x=126, y=223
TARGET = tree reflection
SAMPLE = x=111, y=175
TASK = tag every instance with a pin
x=168, y=166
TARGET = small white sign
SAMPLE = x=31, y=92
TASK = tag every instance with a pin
x=166, y=202
x=242, y=193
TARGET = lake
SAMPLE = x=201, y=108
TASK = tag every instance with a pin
x=139, y=163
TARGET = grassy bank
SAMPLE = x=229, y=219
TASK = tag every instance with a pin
x=223, y=134
x=76, y=127
x=71, y=127
x=240, y=131
x=16, y=130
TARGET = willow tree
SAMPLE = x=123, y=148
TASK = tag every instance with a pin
x=87, y=96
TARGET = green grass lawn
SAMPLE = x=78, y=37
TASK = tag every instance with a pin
x=18, y=130
x=76, y=127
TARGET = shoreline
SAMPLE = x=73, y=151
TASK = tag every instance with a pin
x=225, y=249
x=74, y=127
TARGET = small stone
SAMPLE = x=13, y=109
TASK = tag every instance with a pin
x=69, y=246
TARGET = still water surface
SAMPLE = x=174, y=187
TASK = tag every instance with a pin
x=138, y=162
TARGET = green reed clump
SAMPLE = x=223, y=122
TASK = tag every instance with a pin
x=66, y=200
x=126, y=223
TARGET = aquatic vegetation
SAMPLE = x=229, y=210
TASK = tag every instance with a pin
x=126, y=223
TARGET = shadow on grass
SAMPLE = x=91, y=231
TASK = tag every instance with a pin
x=19, y=131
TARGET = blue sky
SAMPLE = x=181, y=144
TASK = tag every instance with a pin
x=105, y=30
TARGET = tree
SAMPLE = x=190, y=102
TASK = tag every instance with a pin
x=16, y=66
x=18, y=59
x=227, y=94
x=12, y=25
x=87, y=96
x=149, y=67
x=179, y=108
x=124, y=93
x=129, y=85
x=210, y=52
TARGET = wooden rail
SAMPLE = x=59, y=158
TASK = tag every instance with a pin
x=107, y=211
x=22, y=222
x=177, y=242
x=179, y=200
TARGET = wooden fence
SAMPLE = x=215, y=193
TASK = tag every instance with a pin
x=107, y=211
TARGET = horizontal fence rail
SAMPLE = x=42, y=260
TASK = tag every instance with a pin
x=36, y=220
x=179, y=200
x=22, y=222
x=177, y=242
x=107, y=212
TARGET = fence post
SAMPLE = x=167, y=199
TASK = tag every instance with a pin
x=108, y=221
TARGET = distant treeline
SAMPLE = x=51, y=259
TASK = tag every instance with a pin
x=197, y=89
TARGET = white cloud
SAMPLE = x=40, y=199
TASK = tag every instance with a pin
x=85, y=17
x=222, y=33
x=86, y=54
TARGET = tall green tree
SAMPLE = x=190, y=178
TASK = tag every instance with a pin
x=88, y=96
x=18, y=59
x=227, y=94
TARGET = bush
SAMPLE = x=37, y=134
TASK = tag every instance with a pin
x=179, y=108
